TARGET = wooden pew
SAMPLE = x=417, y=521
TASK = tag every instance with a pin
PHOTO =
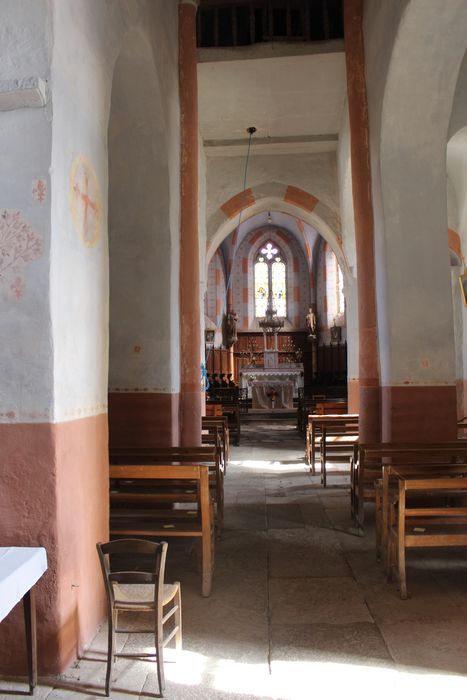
x=234, y=401
x=386, y=488
x=339, y=435
x=221, y=423
x=331, y=407
x=314, y=433
x=443, y=524
x=213, y=410
x=329, y=399
x=153, y=511
x=306, y=405
x=232, y=412
x=368, y=459
x=462, y=427
x=206, y=454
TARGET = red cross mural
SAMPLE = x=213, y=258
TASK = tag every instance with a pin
x=85, y=200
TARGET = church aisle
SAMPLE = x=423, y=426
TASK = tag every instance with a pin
x=299, y=604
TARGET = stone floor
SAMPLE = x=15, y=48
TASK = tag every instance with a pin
x=299, y=605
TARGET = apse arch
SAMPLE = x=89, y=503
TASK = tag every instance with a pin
x=271, y=197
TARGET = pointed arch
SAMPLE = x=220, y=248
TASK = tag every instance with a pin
x=274, y=196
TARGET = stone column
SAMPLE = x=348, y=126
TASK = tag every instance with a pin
x=364, y=225
x=190, y=324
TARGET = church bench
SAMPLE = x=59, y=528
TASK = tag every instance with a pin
x=339, y=436
x=386, y=487
x=334, y=406
x=305, y=406
x=223, y=422
x=368, y=459
x=232, y=412
x=234, y=401
x=213, y=410
x=462, y=427
x=216, y=432
x=205, y=454
x=159, y=509
x=314, y=432
x=439, y=524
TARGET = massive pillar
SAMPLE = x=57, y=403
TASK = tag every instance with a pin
x=408, y=146
x=190, y=329
x=53, y=320
x=363, y=212
x=351, y=302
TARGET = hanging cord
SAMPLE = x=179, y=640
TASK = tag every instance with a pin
x=251, y=130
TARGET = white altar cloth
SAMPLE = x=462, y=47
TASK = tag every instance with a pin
x=262, y=395
x=20, y=568
x=285, y=380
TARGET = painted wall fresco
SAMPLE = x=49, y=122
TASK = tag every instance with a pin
x=19, y=245
x=39, y=191
x=85, y=201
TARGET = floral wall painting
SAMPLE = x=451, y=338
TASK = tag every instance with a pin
x=19, y=245
x=39, y=190
x=85, y=201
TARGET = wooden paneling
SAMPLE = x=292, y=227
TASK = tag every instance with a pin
x=331, y=359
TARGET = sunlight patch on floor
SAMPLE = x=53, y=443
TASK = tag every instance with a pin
x=273, y=466
x=297, y=680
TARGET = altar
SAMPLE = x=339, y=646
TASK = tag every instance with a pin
x=272, y=388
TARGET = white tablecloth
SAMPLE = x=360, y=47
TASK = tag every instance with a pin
x=20, y=568
x=283, y=395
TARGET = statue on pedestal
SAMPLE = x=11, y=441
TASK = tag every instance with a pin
x=310, y=319
x=230, y=326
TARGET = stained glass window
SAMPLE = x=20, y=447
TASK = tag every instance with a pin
x=278, y=288
x=270, y=281
x=261, y=287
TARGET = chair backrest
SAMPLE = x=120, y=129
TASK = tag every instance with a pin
x=143, y=562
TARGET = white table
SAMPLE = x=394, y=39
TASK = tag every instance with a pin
x=20, y=569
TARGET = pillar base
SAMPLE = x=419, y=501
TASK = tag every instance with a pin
x=419, y=413
x=370, y=414
x=55, y=494
x=353, y=395
x=190, y=418
x=143, y=419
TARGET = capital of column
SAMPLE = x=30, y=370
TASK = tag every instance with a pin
x=195, y=3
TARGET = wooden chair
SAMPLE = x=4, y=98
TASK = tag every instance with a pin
x=128, y=562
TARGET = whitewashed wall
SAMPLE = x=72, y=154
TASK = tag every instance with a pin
x=26, y=364
x=88, y=40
